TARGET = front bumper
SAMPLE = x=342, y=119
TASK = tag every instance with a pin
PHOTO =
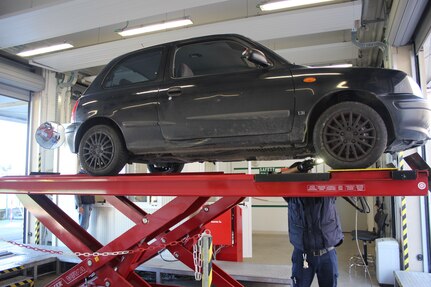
x=411, y=118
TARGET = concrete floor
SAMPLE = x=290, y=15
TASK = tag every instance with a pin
x=265, y=253
x=276, y=249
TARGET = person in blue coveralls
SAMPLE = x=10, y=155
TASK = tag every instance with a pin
x=314, y=231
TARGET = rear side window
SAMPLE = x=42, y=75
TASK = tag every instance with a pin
x=139, y=68
x=214, y=57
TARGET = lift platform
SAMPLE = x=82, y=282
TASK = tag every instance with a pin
x=177, y=225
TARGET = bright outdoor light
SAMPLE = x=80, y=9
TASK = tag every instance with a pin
x=288, y=4
x=44, y=50
x=156, y=27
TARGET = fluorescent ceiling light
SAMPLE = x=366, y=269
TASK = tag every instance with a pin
x=288, y=4
x=44, y=50
x=156, y=27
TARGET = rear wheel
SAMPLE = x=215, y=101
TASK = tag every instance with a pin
x=165, y=168
x=102, y=152
x=350, y=135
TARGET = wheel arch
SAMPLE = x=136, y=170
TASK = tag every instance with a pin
x=365, y=98
x=85, y=126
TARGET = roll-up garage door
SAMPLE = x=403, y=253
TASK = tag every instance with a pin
x=423, y=29
x=403, y=21
x=17, y=82
x=16, y=86
x=13, y=92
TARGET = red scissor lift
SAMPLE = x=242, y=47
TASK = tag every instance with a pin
x=114, y=264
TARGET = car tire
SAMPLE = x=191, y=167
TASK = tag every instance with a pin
x=165, y=168
x=101, y=151
x=350, y=135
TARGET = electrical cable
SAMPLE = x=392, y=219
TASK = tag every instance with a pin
x=268, y=200
x=164, y=259
x=352, y=200
x=123, y=28
x=217, y=251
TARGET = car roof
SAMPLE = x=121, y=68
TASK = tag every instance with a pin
x=187, y=40
x=211, y=37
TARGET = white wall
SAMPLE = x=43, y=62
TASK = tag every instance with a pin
x=348, y=215
x=269, y=219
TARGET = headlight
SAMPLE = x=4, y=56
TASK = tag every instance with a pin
x=408, y=86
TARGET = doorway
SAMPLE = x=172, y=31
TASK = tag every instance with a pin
x=14, y=115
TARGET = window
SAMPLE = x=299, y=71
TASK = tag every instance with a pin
x=138, y=68
x=213, y=57
x=14, y=115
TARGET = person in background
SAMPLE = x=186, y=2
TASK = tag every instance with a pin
x=314, y=232
x=84, y=204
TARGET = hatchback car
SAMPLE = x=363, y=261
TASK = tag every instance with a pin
x=228, y=98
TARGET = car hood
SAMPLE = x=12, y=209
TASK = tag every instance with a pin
x=387, y=73
x=375, y=79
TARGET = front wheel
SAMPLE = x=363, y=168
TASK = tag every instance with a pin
x=101, y=151
x=350, y=135
x=165, y=168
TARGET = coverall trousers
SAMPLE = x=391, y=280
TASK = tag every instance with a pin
x=324, y=266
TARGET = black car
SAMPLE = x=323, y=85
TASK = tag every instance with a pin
x=228, y=98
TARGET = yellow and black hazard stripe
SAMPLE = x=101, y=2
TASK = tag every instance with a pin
x=37, y=224
x=406, y=265
x=404, y=237
x=28, y=282
x=210, y=266
x=207, y=254
x=39, y=163
x=37, y=232
x=11, y=270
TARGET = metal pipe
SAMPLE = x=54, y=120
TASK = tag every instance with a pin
x=367, y=45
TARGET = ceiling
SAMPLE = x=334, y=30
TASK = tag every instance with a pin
x=319, y=34
x=313, y=35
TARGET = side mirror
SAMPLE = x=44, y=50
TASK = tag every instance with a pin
x=50, y=135
x=257, y=57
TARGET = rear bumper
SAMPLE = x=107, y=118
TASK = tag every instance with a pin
x=71, y=133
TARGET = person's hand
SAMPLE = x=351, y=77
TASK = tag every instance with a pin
x=81, y=210
x=306, y=165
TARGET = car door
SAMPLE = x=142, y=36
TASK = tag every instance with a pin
x=214, y=92
x=130, y=97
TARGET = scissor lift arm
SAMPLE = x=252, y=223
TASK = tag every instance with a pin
x=188, y=211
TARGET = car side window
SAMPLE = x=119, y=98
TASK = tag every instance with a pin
x=213, y=57
x=137, y=68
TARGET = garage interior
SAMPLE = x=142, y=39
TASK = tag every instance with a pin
x=393, y=34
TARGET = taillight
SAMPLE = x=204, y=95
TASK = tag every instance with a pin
x=73, y=115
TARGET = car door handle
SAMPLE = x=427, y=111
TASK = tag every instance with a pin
x=174, y=92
